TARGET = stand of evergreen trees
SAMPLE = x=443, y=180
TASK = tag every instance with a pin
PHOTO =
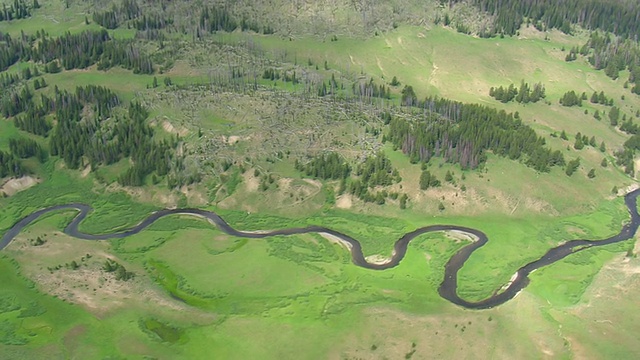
x=461, y=133
x=328, y=166
x=15, y=102
x=626, y=156
x=152, y=22
x=33, y=121
x=374, y=171
x=377, y=171
x=570, y=98
x=275, y=74
x=428, y=180
x=26, y=148
x=525, y=94
x=600, y=98
x=219, y=18
x=10, y=165
x=83, y=132
x=618, y=17
x=112, y=18
x=74, y=51
x=19, y=9
x=131, y=137
x=614, y=54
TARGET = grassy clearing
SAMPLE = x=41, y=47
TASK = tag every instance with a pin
x=7, y=131
x=33, y=320
x=438, y=61
x=120, y=80
x=54, y=17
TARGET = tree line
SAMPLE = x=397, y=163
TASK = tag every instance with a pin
x=618, y=17
x=10, y=165
x=218, y=18
x=74, y=51
x=462, y=133
x=111, y=19
x=19, y=9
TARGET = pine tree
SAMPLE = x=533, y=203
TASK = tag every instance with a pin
x=403, y=201
x=448, y=177
x=427, y=180
x=563, y=135
x=572, y=166
x=614, y=115
x=596, y=115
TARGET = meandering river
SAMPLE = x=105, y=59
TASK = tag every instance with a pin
x=448, y=287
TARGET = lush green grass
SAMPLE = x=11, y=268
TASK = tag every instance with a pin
x=236, y=279
x=198, y=291
x=112, y=210
x=7, y=131
x=110, y=173
x=298, y=282
x=488, y=268
x=123, y=81
x=504, y=251
x=35, y=321
x=53, y=17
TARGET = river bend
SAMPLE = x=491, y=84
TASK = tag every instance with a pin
x=448, y=287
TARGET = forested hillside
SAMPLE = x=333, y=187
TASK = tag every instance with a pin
x=619, y=17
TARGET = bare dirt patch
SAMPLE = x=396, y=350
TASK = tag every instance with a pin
x=88, y=285
x=344, y=202
x=168, y=127
x=13, y=186
x=230, y=140
x=85, y=172
x=457, y=236
x=575, y=231
x=336, y=240
x=251, y=182
x=195, y=197
x=378, y=259
x=167, y=199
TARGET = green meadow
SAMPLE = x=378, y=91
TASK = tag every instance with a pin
x=195, y=292
x=301, y=284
